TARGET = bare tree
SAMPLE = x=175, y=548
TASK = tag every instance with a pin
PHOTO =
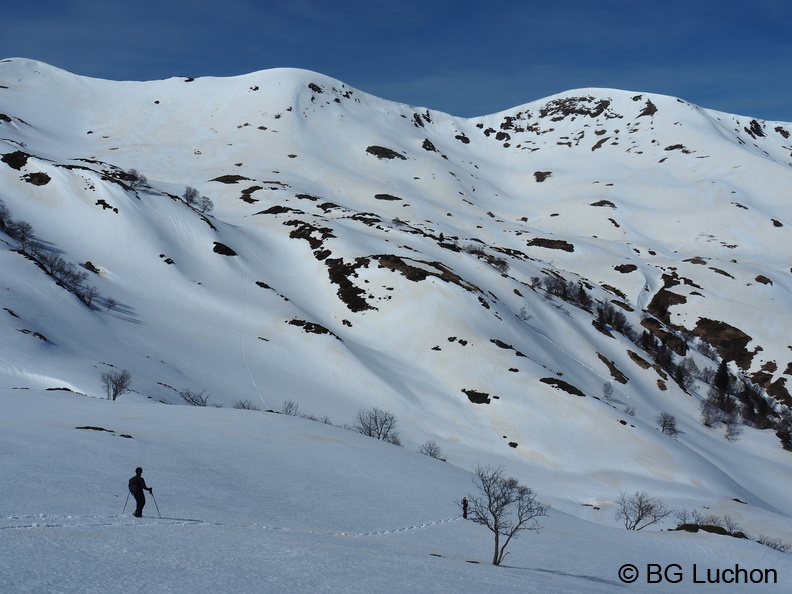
x=205, y=205
x=733, y=429
x=195, y=398
x=116, y=383
x=639, y=510
x=190, y=195
x=136, y=179
x=377, y=423
x=667, y=423
x=504, y=506
x=607, y=391
x=5, y=215
x=711, y=415
x=431, y=449
x=245, y=405
x=87, y=294
x=22, y=231
x=290, y=407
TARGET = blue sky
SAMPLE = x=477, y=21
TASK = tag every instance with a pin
x=463, y=57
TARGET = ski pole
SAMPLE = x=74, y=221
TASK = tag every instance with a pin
x=155, y=504
x=125, y=504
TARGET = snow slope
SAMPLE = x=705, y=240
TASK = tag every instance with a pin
x=386, y=255
x=254, y=502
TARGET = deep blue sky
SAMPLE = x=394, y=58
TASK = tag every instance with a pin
x=463, y=57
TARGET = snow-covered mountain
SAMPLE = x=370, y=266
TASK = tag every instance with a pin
x=484, y=279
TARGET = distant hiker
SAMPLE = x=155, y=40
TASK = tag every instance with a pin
x=137, y=485
x=464, y=507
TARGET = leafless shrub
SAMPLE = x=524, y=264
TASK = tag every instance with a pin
x=245, y=405
x=191, y=195
x=22, y=231
x=116, y=383
x=195, y=398
x=136, y=179
x=431, y=449
x=710, y=414
x=667, y=423
x=504, y=506
x=774, y=543
x=639, y=510
x=377, y=423
x=205, y=205
x=290, y=407
x=733, y=431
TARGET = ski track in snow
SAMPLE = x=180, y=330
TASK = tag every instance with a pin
x=31, y=522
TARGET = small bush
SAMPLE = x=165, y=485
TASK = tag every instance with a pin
x=116, y=383
x=667, y=423
x=431, y=449
x=377, y=423
x=639, y=510
x=195, y=398
x=290, y=407
x=245, y=405
x=775, y=543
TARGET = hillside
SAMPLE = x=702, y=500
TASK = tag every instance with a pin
x=484, y=279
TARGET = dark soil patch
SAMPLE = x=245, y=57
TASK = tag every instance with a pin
x=16, y=160
x=247, y=194
x=279, y=209
x=339, y=273
x=710, y=528
x=428, y=145
x=382, y=152
x=477, y=397
x=416, y=274
x=386, y=197
x=562, y=385
x=37, y=179
x=540, y=176
x=105, y=206
x=553, y=244
x=312, y=327
x=664, y=299
x=587, y=106
x=729, y=341
x=649, y=110
x=508, y=347
x=230, y=179
x=221, y=248
x=672, y=341
x=306, y=231
x=625, y=268
x=614, y=371
x=38, y=335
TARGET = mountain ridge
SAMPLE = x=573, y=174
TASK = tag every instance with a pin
x=367, y=253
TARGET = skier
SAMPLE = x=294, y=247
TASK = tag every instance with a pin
x=464, y=507
x=137, y=485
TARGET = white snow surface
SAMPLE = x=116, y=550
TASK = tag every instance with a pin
x=257, y=502
x=641, y=188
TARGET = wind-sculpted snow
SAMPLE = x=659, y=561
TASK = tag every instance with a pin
x=484, y=279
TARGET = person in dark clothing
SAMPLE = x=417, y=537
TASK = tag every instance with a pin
x=136, y=486
x=464, y=507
